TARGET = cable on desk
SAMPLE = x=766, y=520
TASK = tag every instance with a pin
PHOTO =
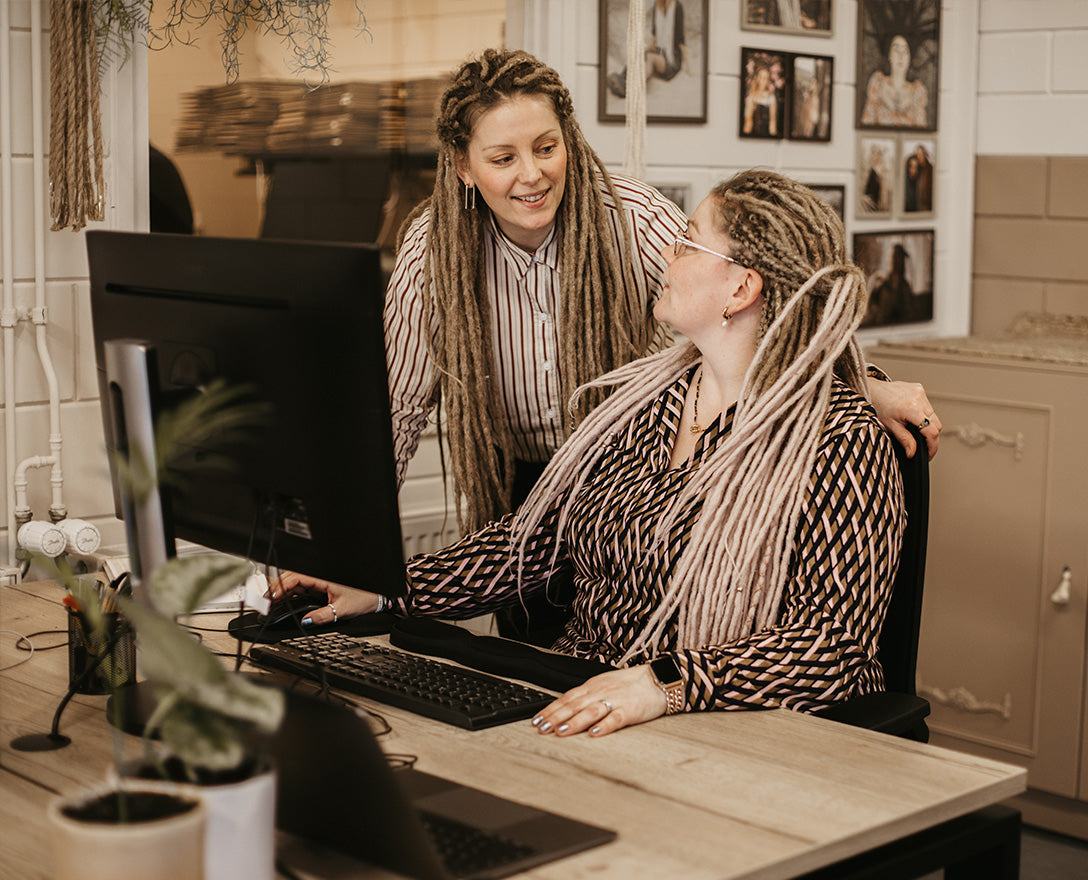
x=20, y=638
x=43, y=632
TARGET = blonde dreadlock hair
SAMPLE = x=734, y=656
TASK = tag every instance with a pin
x=598, y=331
x=729, y=579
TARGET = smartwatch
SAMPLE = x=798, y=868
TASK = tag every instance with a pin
x=667, y=677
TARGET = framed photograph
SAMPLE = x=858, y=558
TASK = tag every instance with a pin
x=810, y=87
x=787, y=16
x=898, y=54
x=676, y=61
x=677, y=193
x=832, y=193
x=763, y=83
x=917, y=157
x=898, y=267
x=877, y=161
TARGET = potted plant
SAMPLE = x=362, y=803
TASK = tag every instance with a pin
x=206, y=735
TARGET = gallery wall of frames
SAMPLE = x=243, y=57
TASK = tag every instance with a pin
x=789, y=73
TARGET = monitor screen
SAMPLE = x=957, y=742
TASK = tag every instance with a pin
x=296, y=324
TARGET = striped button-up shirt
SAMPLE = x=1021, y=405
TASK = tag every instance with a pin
x=524, y=298
x=822, y=647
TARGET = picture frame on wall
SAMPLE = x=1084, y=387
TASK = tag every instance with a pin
x=763, y=92
x=811, y=17
x=898, y=54
x=811, y=85
x=677, y=193
x=675, y=64
x=877, y=163
x=832, y=193
x=917, y=161
x=898, y=267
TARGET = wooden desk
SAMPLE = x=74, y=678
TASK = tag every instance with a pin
x=767, y=795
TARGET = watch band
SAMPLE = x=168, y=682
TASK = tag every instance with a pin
x=667, y=677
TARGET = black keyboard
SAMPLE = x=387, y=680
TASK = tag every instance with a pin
x=471, y=852
x=462, y=697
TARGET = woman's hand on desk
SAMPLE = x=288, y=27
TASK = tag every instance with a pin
x=342, y=601
x=605, y=703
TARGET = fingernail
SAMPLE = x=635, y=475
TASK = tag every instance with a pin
x=545, y=727
x=307, y=621
x=562, y=728
x=595, y=730
x=536, y=721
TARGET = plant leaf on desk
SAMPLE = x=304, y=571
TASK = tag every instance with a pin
x=201, y=703
x=184, y=584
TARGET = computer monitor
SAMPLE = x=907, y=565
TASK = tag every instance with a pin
x=298, y=325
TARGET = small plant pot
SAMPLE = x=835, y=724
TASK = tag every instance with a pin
x=91, y=841
x=240, y=835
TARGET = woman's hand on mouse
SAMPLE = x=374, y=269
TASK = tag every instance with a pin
x=342, y=601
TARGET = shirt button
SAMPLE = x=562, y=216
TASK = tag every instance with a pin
x=546, y=366
x=543, y=317
x=550, y=414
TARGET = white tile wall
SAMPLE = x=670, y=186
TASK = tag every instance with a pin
x=1033, y=78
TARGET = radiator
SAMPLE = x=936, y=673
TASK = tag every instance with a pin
x=427, y=532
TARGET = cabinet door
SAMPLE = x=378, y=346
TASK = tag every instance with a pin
x=1001, y=664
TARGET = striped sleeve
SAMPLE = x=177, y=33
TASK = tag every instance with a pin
x=824, y=647
x=412, y=377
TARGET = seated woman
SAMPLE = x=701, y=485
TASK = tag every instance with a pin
x=731, y=516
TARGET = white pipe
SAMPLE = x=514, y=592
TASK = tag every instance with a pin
x=7, y=268
x=22, y=506
x=57, y=510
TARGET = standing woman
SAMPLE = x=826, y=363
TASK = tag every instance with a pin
x=529, y=271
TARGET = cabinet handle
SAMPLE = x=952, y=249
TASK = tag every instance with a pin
x=1060, y=597
x=974, y=436
x=961, y=698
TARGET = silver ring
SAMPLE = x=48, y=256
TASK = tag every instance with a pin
x=335, y=616
x=607, y=706
x=922, y=425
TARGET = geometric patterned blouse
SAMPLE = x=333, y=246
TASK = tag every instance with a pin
x=823, y=646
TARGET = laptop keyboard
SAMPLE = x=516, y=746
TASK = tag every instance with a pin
x=462, y=697
x=468, y=851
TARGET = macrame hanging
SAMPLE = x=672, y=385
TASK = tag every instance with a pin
x=635, y=100
x=76, y=182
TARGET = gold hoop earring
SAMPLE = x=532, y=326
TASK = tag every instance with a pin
x=725, y=316
x=470, y=198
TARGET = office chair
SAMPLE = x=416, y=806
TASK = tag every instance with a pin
x=898, y=710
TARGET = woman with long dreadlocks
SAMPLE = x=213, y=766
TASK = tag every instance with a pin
x=731, y=515
x=529, y=272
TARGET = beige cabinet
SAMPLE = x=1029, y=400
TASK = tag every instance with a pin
x=1002, y=645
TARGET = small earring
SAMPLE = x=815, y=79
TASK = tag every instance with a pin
x=725, y=316
x=470, y=198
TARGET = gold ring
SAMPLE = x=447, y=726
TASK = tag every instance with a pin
x=922, y=425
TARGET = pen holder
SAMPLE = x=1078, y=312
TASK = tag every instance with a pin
x=116, y=666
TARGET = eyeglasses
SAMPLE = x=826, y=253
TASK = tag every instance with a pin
x=683, y=242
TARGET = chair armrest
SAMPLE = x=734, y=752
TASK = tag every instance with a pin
x=894, y=713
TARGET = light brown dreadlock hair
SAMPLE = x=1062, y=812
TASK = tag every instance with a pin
x=597, y=329
x=728, y=580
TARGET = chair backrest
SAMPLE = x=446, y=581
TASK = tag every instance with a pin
x=897, y=647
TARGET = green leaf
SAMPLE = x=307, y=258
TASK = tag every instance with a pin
x=183, y=584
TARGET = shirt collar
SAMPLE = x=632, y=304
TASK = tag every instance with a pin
x=518, y=259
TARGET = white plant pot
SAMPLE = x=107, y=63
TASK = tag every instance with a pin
x=240, y=831
x=84, y=850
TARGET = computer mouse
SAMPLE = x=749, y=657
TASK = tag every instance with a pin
x=292, y=610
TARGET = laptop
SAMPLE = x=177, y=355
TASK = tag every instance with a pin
x=336, y=788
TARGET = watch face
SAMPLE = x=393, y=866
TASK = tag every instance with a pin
x=665, y=670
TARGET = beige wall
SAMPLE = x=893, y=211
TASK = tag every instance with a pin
x=1031, y=238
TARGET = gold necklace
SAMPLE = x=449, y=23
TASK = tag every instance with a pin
x=695, y=429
